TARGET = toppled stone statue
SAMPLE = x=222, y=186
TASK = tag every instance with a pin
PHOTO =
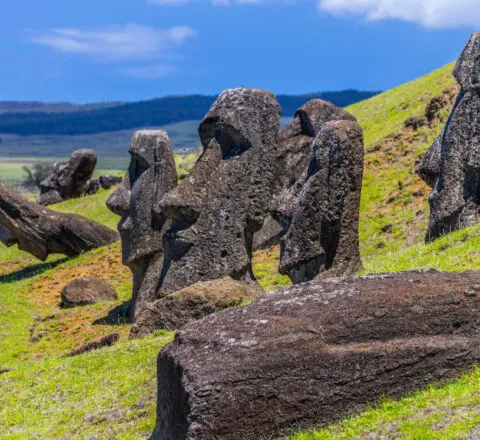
x=69, y=179
x=150, y=176
x=85, y=291
x=224, y=200
x=455, y=199
x=41, y=232
x=293, y=156
x=192, y=303
x=104, y=182
x=313, y=354
x=323, y=234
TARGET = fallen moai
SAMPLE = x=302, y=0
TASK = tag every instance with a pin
x=41, y=232
x=87, y=290
x=315, y=353
x=293, y=156
x=69, y=179
x=224, y=200
x=150, y=176
x=323, y=234
x=455, y=199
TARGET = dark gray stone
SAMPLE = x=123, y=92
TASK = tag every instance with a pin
x=429, y=167
x=150, y=176
x=106, y=182
x=85, y=291
x=294, y=154
x=455, y=199
x=323, y=234
x=69, y=179
x=224, y=200
x=314, y=354
x=41, y=232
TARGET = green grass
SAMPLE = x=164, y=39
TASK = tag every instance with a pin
x=110, y=393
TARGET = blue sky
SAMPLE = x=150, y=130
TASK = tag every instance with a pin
x=105, y=50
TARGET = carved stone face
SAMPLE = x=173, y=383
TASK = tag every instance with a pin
x=150, y=176
x=323, y=234
x=224, y=200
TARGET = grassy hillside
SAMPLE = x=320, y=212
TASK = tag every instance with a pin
x=110, y=394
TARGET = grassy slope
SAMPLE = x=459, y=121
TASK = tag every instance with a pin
x=110, y=393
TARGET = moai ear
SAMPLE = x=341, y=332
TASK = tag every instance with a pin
x=467, y=69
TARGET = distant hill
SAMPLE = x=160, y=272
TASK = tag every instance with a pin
x=101, y=118
x=51, y=107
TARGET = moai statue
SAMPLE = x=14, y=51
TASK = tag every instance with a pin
x=323, y=234
x=150, y=176
x=455, y=199
x=224, y=200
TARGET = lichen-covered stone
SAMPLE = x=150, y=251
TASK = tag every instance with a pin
x=69, y=179
x=192, y=303
x=224, y=200
x=455, y=199
x=150, y=176
x=315, y=353
x=323, y=234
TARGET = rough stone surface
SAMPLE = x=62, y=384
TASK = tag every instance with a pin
x=106, y=182
x=87, y=290
x=69, y=179
x=323, y=234
x=315, y=353
x=429, y=167
x=150, y=176
x=41, y=232
x=224, y=200
x=455, y=199
x=293, y=156
x=193, y=303
x=106, y=341
x=6, y=237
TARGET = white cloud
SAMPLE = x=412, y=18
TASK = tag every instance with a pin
x=429, y=13
x=153, y=71
x=122, y=43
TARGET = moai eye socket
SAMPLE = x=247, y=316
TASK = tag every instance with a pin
x=140, y=165
x=230, y=144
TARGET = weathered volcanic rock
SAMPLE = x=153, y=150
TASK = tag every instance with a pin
x=69, y=179
x=6, y=237
x=455, y=199
x=41, y=232
x=106, y=182
x=324, y=231
x=429, y=167
x=224, y=200
x=87, y=290
x=315, y=353
x=150, y=176
x=193, y=303
x=293, y=156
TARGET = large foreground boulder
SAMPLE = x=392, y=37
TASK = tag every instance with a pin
x=87, y=290
x=315, y=353
x=69, y=179
x=455, y=199
x=150, y=176
x=323, y=234
x=224, y=200
x=41, y=232
x=193, y=303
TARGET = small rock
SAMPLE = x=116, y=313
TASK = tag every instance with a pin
x=387, y=228
x=87, y=290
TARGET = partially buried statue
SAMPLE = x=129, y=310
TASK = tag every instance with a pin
x=216, y=210
x=150, y=176
x=323, y=234
x=455, y=199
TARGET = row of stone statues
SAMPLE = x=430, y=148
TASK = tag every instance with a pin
x=174, y=236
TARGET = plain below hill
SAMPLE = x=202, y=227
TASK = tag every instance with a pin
x=102, y=118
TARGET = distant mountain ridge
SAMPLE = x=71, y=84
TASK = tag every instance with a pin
x=33, y=118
